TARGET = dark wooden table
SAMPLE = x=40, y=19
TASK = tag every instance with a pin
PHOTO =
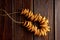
x=12, y=31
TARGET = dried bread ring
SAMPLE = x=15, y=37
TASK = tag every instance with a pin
x=42, y=22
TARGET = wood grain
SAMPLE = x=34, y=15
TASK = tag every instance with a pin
x=51, y=19
x=45, y=8
x=57, y=19
x=5, y=22
x=12, y=31
x=20, y=33
x=41, y=6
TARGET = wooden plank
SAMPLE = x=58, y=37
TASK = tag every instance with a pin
x=57, y=19
x=8, y=22
x=19, y=32
x=1, y=21
x=41, y=6
x=5, y=22
x=7, y=34
x=45, y=8
x=51, y=19
x=1, y=27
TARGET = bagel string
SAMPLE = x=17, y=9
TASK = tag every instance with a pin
x=43, y=24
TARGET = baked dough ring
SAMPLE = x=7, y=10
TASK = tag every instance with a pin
x=42, y=21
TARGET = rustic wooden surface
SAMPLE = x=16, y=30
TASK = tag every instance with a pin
x=45, y=8
x=12, y=31
x=5, y=22
x=57, y=19
x=19, y=33
x=41, y=6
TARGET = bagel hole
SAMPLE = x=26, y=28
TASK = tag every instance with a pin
x=37, y=24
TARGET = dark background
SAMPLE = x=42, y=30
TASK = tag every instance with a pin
x=12, y=31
